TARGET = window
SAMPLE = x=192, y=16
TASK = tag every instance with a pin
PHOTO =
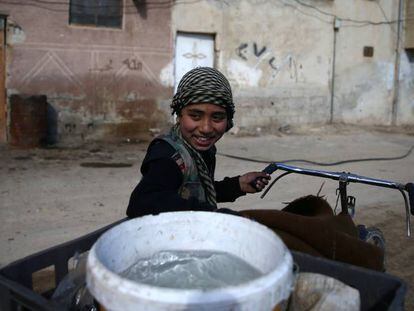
x=98, y=13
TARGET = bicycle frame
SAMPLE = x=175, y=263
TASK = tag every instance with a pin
x=345, y=178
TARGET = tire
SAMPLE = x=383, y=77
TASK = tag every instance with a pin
x=372, y=235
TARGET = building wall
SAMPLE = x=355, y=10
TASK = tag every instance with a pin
x=365, y=85
x=288, y=61
x=288, y=64
x=101, y=83
x=406, y=94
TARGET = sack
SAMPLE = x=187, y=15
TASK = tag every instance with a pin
x=317, y=292
x=309, y=225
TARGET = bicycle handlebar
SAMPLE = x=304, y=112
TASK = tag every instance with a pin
x=341, y=176
x=348, y=177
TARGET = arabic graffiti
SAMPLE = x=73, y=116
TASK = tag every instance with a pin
x=103, y=68
x=248, y=51
x=271, y=63
x=242, y=50
x=130, y=63
x=133, y=64
x=257, y=52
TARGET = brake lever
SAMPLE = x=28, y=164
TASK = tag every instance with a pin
x=410, y=189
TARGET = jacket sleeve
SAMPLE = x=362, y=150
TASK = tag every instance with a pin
x=228, y=190
x=157, y=191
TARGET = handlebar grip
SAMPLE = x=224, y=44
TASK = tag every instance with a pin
x=410, y=189
x=268, y=170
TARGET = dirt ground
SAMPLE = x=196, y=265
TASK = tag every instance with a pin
x=49, y=196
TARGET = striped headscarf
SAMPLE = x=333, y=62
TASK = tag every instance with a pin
x=204, y=85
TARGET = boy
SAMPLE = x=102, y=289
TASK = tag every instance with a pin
x=178, y=169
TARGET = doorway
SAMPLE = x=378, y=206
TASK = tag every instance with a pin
x=192, y=50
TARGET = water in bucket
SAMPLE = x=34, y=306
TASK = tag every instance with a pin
x=195, y=269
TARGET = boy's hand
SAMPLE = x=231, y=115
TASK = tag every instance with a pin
x=258, y=179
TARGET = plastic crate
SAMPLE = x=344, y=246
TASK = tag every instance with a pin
x=379, y=291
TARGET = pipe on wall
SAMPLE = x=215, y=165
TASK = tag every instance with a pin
x=336, y=25
x=397, y=65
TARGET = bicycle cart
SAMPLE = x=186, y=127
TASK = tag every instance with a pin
x=378, y=290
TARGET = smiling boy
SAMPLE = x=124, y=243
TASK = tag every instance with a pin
x=178, y=169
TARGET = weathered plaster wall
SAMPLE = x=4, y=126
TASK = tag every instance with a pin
x=288, y=82
x=102, y=83
x=277, y=60
x=278, y=56
x=365, y=85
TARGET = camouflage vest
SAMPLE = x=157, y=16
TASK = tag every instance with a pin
x=191, y=186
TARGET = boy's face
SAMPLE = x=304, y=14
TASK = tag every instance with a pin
x=202, y=125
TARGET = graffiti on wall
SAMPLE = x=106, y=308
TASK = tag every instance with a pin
x=133, y=64
x=106, y=67
x=261, y=54
x=55, y=66
x=130, y=63
x=53, y=61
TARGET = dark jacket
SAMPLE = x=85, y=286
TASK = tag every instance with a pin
x=157, y=191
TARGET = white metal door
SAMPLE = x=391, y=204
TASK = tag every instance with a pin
x=192, y=50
